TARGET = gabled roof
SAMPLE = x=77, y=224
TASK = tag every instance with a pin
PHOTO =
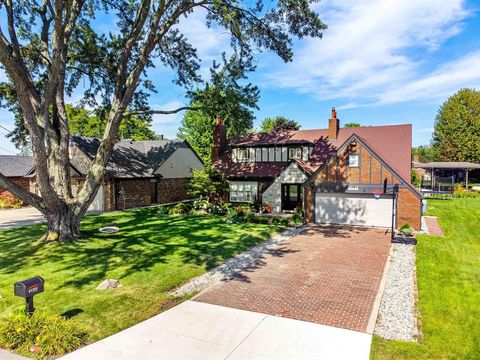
x=130, y=159
x=392, y=143
x=16, y=166
x=371, y=149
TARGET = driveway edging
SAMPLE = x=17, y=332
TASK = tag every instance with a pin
x=233, y=265
x=372, y=321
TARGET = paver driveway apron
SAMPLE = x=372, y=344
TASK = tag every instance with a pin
x=327, y=275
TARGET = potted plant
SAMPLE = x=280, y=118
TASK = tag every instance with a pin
x=406, y=229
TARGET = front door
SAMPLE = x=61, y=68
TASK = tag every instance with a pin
x=291, y=196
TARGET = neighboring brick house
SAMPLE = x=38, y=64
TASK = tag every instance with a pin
x=338, y=175
x=18, y=169
x=139, y=173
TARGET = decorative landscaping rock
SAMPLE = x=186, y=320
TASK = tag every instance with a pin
x=233, y=265
x=108, y=284
x=397, y=315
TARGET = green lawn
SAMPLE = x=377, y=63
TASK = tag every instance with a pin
x=151, y=255
x=448, y=275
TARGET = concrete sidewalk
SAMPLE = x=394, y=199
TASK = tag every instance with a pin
x=20, y=217
x=195, y=330
x=7, y=355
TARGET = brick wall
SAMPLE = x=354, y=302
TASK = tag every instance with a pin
x=136, y=193
x=171, y=190
x=408, y=209
x=309, y=205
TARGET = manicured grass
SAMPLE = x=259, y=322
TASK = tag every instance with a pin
x=151, y=255
x=448, y=275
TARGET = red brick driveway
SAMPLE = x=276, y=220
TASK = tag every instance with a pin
x=327, y=274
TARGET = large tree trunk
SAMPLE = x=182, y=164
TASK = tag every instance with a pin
x=62, y=225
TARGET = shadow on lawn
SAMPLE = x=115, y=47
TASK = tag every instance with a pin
x=145, y=240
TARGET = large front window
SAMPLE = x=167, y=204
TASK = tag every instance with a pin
x=243, y=191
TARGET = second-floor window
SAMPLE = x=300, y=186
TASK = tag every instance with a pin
x=271, y=153
x=353, y=160
x=243, y=154
x=295, y=153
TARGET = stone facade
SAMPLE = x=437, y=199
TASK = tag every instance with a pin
x=372, y=173
x=273, y=194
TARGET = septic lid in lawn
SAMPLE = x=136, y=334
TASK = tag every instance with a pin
x=109, y=229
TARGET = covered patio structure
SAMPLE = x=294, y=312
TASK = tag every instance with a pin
x=439, y=183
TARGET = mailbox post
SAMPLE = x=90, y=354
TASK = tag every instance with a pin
x=27, y=289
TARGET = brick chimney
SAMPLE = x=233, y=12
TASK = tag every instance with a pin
x=333, y=125
x=219, y=138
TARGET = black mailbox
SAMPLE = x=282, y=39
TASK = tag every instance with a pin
x=27, y=289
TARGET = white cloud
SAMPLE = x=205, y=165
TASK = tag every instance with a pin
x=370, y=51
x=210, y=42
x=464, y=72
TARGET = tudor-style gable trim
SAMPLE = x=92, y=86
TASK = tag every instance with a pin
x=372, y=152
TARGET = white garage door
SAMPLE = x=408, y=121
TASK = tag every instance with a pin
x=353, y=209
x=97, y=203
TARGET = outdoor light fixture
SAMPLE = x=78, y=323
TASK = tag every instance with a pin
x=354, y=142
x=27, y=289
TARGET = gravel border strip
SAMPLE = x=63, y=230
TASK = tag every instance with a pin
x=397, y=318
x=234, y=265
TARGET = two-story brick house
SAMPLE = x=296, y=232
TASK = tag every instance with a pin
x=338, y=175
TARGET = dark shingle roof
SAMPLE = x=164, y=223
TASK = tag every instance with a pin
x=130, y=159
x=16, y=166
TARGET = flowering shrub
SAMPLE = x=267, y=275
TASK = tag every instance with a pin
x=9, y=201
x=202, y=204
x=267, y=208
x=242, y=210
x=218, y=210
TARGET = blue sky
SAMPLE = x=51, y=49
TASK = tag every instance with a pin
x=381, y=62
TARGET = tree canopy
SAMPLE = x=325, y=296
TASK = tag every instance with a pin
x=352, y=124
x=425, y=153
x=278, y=123
x=52, y=50
x=456, y=134
x=209, y=183
x=92, y=124
x=225, y=95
